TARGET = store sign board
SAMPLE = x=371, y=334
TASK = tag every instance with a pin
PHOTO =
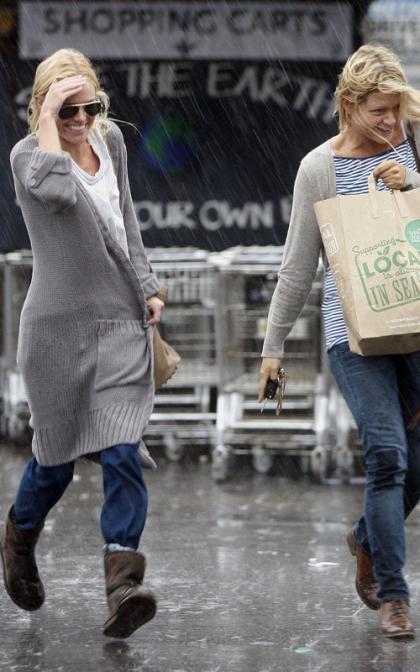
x=213, y=146
x=293, y=31
x=395, y=25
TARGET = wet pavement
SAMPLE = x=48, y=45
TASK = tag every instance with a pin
x=251, y=576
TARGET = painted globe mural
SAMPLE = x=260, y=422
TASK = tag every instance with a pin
x=169, y=143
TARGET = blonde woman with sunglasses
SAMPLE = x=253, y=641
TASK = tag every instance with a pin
x=379, y=130
x=85, y=338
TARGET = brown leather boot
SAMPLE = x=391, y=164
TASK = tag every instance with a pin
x=21, y=578
x=366, y=584
x=129, y=605
x=395, y=620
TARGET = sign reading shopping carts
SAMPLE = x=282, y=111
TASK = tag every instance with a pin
x=131, y=29
x=208, y=89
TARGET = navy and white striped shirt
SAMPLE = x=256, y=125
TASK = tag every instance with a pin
x=351, y=178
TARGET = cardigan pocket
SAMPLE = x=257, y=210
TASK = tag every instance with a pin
x=123, y=355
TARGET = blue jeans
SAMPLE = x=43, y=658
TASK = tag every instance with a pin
x=383, y=394
x=124, y=510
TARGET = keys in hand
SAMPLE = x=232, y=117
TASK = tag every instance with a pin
x=275, y=388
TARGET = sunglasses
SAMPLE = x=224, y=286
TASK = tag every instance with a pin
x=91, y=109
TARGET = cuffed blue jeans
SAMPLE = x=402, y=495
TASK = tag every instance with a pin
x=124, y=510
x=383, y=394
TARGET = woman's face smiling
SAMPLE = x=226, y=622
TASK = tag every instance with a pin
x=377, y=118
x=74, y=131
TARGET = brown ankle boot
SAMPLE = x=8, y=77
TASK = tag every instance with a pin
x=21, y=578
x=366, y=584
x=395, y=620
x=129, y=605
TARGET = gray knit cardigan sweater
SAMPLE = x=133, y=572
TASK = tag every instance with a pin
x=315, y=181
x=84, y=349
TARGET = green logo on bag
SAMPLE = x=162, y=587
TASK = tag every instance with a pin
x=389, y=271
x=412, y=233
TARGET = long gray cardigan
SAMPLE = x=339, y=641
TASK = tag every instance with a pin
x=315, y=181
x=84, y=349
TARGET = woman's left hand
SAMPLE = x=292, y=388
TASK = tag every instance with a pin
x=391, y=173
x=155, y=307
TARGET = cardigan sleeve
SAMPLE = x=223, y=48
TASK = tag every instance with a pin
x=46, y=176
x=412, y=177
x=412, y=180
x=298, y=269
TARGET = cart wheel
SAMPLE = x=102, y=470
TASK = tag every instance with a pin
x=18, y=431
x=221, y=464
x=262, y=461
x=319, y=462
x=3, y=426
x=305, y=464
x=345, y=464
x=173, y=451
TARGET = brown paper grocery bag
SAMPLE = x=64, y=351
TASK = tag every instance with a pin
x=165, y=360
x=372, y=242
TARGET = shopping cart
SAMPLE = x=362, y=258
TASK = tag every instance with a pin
x=16, y=272
x=183, y=412
x=245, y=283
x=185, y=408
x=215, y=317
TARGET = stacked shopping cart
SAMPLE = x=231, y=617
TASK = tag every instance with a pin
x=184, y=413
x=215, y=317
x=15, y=277
x=246, y=279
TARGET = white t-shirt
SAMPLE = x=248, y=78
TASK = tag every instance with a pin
x=103, y=189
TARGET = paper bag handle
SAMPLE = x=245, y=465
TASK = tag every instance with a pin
x=372, y=182
x=400, y=202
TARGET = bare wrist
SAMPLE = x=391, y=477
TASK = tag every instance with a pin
x=47, y=115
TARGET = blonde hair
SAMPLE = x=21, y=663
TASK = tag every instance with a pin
x=64, y=63
x=374, y=68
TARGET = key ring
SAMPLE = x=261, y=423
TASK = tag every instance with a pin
x=281, y=380
x=275, y=389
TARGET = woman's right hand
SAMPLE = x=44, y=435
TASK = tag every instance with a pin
x=269, y=369
x=58, y=93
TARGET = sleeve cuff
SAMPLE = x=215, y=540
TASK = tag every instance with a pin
x=276, y=354
x=150, y=286
x=43, y=162
x=412, y=180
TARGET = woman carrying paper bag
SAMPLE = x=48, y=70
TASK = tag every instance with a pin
x=377, y=111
